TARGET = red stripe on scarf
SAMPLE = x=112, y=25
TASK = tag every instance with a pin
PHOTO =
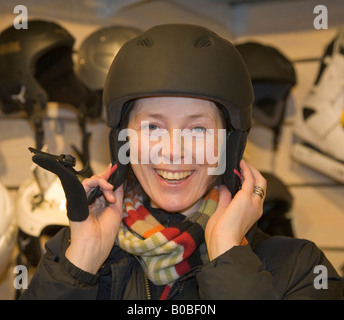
x=188, y=244
x=170, y=233
x=165, y=292
x=182, y=267
x=134, y=216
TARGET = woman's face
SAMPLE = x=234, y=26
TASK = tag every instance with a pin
x=174, y=138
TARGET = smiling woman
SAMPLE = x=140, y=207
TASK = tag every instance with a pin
x=172, y=230
x=174, y=183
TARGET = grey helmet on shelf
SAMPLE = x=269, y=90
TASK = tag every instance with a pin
x=273, y=76
x=97, y=52
x=95, y=56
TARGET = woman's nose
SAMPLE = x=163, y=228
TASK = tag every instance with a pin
x=172, y=147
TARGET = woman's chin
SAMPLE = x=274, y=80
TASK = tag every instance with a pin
x=176, y=204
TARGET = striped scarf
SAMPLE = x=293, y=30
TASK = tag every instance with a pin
x=167, y=253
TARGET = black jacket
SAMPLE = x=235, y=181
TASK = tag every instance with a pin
x=268, y=268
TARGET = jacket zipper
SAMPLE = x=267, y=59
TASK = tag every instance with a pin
x=148, y=293
x=149, y=297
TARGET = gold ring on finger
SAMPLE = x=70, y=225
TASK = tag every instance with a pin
x=259, y=191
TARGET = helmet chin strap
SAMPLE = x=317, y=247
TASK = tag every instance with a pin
x=62, y=166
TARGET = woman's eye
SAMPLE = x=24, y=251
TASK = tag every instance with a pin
x=198, y=129
x=152, y=127
x=153, y=130
x=195, y=132
x=146, y=126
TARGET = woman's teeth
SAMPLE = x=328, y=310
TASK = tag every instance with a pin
x=173, y=176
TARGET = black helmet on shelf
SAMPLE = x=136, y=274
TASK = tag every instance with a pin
x=186, y=61
x=277, y=208
x=36, y=66
x=273, y=76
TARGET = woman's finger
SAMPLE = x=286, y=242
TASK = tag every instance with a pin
x=118, y=203
x=258, y=178
x=248, y=183
x=96, y=181
x=260, y=184
x=109, y=196
x=254, y=182
x=106, y=174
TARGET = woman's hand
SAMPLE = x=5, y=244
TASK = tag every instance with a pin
x=93, y=239
x=234, y=217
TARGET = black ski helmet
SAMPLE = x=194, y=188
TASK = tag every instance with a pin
x=273, y=76
x=36, y=66
x=189, y=61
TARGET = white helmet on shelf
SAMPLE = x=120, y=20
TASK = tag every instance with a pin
x=8, y=229
x=39, y=215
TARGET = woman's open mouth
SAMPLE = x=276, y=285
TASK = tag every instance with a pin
x=174, y=177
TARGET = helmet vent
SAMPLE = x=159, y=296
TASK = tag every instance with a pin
x=145, y=42
x=203, y=43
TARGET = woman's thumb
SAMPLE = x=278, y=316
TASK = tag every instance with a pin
x=119, y=194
